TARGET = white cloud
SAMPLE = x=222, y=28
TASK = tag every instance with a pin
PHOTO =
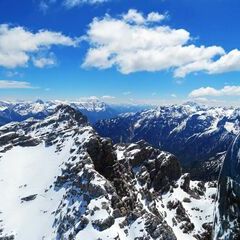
x=201, y=99
x=74, y=3
x=107, y=97
x=6, y=84
x=93, y=98
x=226, y=63
x=133, y=16
x=130, y=44
x=18, y=44
x=155, y=17
x=45, y=5
x=213, y=92
x=173, y=95
x=43, y=61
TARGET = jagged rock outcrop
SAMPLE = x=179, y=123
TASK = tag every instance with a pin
x=227, y=209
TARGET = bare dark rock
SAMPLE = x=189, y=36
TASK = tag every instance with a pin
x=117, y=213
x=185, y=182
x=158, y=229
x=102, y=225
x=82, y=224
x=102, y=154
x=29, y=198
x=187, y=200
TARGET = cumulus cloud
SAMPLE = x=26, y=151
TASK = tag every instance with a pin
x=155, y=17
x=226, y=63
x=6, y=84
x=131, y=44
x=213, y=92
x=18, y=45
x=133, y=16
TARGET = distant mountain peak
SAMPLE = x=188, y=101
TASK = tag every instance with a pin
x=66, y=112
x=194, y=104
x=39, y=101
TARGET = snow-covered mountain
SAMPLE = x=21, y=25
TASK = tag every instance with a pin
x=60, y=180
x=94, y=109
x=198, y=135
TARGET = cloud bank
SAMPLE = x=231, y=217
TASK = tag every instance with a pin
x=133, y=42
x=6, y=84
x=44, y=5
x=74, y=3
x=18, y=46
x=213, y=92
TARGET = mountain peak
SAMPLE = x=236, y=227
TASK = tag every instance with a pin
x=66, y=112
x=39, y=101
x=192, y=104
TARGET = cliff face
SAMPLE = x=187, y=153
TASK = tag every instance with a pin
x=227, y=209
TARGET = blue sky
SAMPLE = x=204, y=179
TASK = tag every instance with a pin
x=54, y=49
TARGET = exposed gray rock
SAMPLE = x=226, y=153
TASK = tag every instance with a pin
x=185, y=182
x=29, y=198
x=102, y=225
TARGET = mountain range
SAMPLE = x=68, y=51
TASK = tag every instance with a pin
x=198, y=135
x=60, y=178
x=93, y=108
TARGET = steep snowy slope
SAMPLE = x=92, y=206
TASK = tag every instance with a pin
x=60, y=180
x=227, y=209
x=197, y=135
